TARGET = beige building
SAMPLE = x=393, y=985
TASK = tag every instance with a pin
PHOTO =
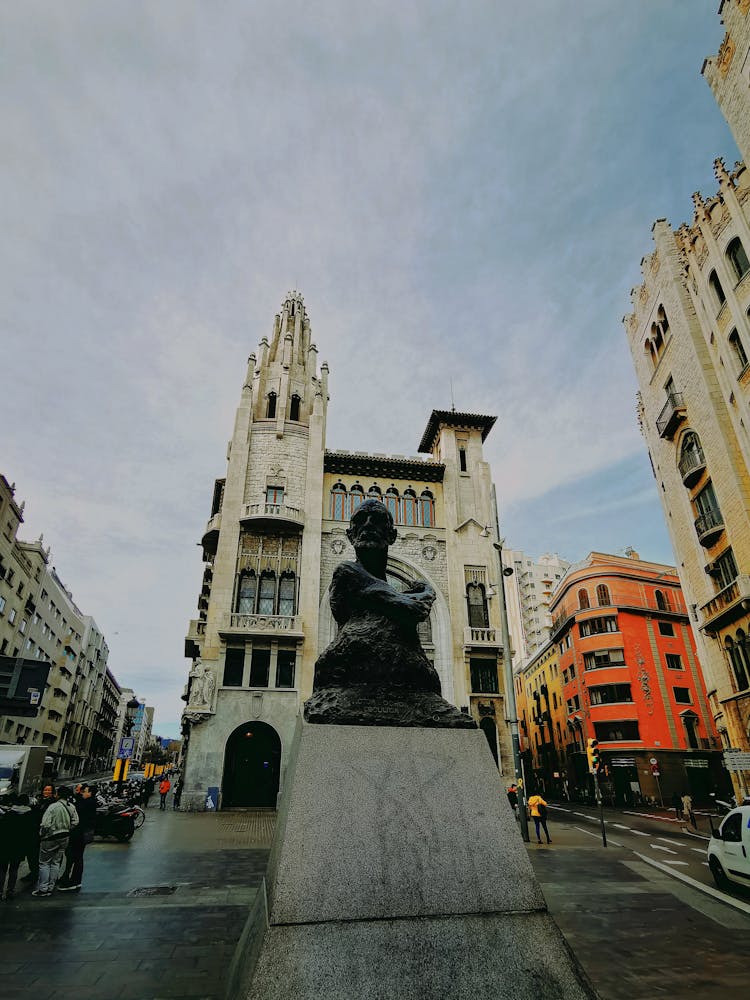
x=728, y=72
x=40, y=620
x=529, y=590
x=276, y=532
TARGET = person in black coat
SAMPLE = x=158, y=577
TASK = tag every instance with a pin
x=16, y=832
x=80, y=836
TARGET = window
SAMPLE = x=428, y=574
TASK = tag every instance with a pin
x=12, y=615
x=356, y=498
x=271, y=405
x=462, y=459
x=715, y=285
x=691, y=458
x=285, y=665
x=287, y=593
x=731, y=829
x=662, y=600
x=477, y=606
x=339, y=504
x=609, y=694
x=602, y=596
x=247, y=593
x=682, y=696
x=739, y=351
x=427, y=509
x=595, y=626
x=267, y=596
x=260, y=662
x=738, y=258
x=392, y=502
x=583, y=599
x=275, y=495
x=2, y=605
x=409, y=508
x=614, y=732
x=666, y=628
x=483, y=675
x=604, y=658
x=294, y=406
x=723, y=570
x=234, y=666
x=674, y=661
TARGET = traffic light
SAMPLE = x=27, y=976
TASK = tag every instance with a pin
x=592, y=752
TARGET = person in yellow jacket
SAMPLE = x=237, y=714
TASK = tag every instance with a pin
x=538, y=808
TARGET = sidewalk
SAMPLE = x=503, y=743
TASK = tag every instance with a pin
x=639, y=933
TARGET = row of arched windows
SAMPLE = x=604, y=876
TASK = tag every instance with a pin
x=655, y=343
x=266, y=594
x=294, y=406
x=406, y=508
x=737, y=258
x=602, y=597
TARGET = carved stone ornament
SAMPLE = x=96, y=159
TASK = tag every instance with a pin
x=195, y=718
x=338, y=545
x=375, y=672
x=429, y=552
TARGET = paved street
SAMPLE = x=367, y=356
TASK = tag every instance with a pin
x=160, y=917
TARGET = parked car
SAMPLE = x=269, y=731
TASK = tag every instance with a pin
x=729, y=849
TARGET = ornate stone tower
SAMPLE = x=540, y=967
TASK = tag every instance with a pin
x=255, y=641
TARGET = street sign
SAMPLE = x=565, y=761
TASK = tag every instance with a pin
x=34, y=696
x=127, y=746
x=737, y=760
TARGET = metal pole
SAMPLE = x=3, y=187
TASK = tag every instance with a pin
x=601, y=808
x=511, y=711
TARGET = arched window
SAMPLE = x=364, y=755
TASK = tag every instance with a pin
x=656, y=339
x=662, y=322
x=356, y=498
x=427, y=509
x=476, y=602
x=715, y=285
x=374, y=494
x=662, y=600
x=739, y=351
x=294, y=405
x=738, y=258
x=583, y=599
x=602, y=596
x=743, y=649
x=267, y=595
x=391, y=502
x=287, y=592
x=691, y=454
x=271, y=405
x=409, y=507
x=738, y=663
x=338, y=502
x=246, y=594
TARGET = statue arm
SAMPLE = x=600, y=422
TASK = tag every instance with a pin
x=415, y=603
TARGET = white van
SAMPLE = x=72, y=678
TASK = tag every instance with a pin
x=729, y=849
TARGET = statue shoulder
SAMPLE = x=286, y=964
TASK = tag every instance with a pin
x=347, y=571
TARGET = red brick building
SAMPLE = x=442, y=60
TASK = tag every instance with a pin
x=631, y=679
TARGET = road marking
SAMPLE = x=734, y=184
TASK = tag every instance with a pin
x=709, y=890
x=560, y=809
x=662, y=819
x=658, y=847
x=640, y=833
x=597, y=836
x=705, y=864
x=668, y=861
x=667, y=840
x=585, y=815
x=697, y=850
x=620, y=826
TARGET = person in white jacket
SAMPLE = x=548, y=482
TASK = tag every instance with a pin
x=54, y=833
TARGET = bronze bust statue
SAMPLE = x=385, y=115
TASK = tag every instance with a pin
x=375, y=672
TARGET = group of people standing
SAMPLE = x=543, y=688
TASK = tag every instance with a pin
x=51, y=833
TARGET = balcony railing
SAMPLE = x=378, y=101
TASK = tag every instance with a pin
x=482, y=637
x=673, y=412
x=210, y=538
x=727, y=606
x=237, y=625
x=274, y=512
x=691, y=465
x=708, y=526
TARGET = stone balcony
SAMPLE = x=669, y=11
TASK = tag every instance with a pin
x=727, y=606
x=239, y=626
x=210, y=538
x=671, y=416
x=194, y=638
x=708, y=526
x=483, y=638
x=270, y=514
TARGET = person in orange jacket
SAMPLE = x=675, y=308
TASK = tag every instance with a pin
x=164, y=787
x=538, y=808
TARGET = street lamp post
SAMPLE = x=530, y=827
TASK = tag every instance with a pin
x=131, y=710
x=511, y=711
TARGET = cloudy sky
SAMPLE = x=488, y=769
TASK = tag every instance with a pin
x=463, y=193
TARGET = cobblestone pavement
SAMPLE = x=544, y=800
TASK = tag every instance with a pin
x=157, y=919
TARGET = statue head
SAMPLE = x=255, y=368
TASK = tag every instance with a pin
x=371, y=527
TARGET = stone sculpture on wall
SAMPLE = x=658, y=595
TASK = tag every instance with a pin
x=375, y=672
x=202, y=688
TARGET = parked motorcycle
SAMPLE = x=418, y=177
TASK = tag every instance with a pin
x=116, y=820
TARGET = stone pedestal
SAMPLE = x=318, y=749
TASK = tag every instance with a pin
x=398, y=871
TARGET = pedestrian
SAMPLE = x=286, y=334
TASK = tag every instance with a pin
x=177, y=795
x=80, y=836
x=687, y=808
x=164, y=787
x=16, y=825
x=54, y=832
x=148, y=791
x=539, y=814
x=677, y=805
x=38, y=809
x=512, y=794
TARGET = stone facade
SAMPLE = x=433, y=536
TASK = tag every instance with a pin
x=276, y=532
x=689, y=335
x=728, y=72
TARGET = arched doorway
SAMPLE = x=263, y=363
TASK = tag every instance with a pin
x=252, y=765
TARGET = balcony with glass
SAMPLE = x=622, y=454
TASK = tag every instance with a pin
x=671, y=416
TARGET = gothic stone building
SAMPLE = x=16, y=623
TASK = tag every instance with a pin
x=276, y=531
